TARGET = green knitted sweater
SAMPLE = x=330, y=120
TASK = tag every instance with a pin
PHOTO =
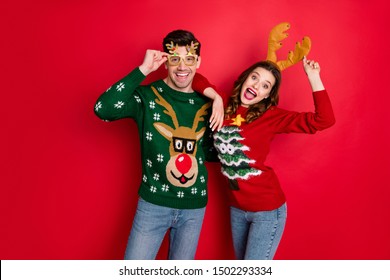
x=173, y=137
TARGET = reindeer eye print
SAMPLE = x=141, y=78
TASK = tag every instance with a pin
x=181, y=144
x=190, y=145
x=178, y=145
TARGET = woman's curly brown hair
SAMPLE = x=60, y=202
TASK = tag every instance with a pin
x=255, y=110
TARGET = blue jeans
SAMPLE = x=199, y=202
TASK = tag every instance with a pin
x=256, y=235
x=151, y=222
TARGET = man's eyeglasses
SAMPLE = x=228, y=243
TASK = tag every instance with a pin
x=188, y=60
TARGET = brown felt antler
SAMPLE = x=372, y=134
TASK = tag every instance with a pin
x=278, y=34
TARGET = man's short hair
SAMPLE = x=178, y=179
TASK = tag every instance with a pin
x=182, y=38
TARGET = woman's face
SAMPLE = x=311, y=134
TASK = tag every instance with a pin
x=256, y=87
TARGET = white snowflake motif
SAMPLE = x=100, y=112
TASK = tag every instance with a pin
x=156, y=116
x=203, y=193
x=180, y=194
x=165, y=188
x=119, y=104
x=202, y=179
x=98, y=106
x=120, y=87
x=137, y=98
x=194, y=190
x=144, y=178
x=149, y=163
x=108, y=88
x=200, y=160
x=160, y=89
x=149, y=136
x=153, y=189
x=156, y=177
x=152, y=104
x=191, y=101
x=160, y=158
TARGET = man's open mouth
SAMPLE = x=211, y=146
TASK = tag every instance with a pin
x=182, y=75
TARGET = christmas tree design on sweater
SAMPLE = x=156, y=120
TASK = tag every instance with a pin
x=231, y=152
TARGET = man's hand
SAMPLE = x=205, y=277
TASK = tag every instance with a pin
x=152, y=61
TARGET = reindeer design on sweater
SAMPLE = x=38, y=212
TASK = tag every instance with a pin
x=182, y=167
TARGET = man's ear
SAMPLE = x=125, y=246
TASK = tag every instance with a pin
x=166, y=65
x=198, y=62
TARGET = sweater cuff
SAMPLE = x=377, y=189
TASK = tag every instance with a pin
x=137, y=74
x=318, y=91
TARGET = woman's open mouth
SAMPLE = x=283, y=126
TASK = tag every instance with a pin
x=250, y=94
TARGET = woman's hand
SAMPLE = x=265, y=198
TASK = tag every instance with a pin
x=311, y=66
x=312, y=69
x=217, y=115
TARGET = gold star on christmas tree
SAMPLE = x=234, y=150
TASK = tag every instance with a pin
x=238, y=120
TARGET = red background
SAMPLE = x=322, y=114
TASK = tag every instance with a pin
x=69, y=181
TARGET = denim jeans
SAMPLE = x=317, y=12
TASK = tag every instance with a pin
x=151, y=222
x=256, y=235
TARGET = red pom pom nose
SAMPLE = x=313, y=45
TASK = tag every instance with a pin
x=183, y=163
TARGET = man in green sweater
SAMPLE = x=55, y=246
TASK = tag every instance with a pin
x=172, y=121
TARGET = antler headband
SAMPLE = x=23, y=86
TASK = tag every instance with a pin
x=278, y=34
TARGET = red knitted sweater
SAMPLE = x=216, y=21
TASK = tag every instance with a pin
x=243, y=149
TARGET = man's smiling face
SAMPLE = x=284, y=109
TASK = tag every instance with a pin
x=180, y=76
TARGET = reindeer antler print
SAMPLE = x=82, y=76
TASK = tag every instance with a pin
x=278, y=34
x=168, y=108
x=199, y=115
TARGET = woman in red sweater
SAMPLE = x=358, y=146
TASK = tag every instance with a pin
x=252, y=119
